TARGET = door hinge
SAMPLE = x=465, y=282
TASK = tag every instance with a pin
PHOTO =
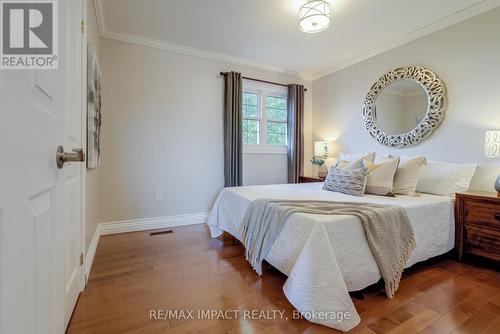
x=82, y=26
x=81, y=259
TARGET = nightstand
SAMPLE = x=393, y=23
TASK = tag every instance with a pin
x=477, y=223
x=310, y=179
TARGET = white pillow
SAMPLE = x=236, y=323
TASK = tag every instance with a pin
x=407, y=175
x=353, y=164
x=330, y=162
x=445, y=178
x=381, y=175
x=370, y=156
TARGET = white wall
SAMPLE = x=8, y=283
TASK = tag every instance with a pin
x=163, y=130
x=265, y=169
x=465, y=56
x=92, y=177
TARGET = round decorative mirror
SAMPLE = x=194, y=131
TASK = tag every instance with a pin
x=405, y=106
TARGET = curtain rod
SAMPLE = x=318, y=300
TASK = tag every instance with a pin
x=259, y=80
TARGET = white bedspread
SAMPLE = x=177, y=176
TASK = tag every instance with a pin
x=324, y=257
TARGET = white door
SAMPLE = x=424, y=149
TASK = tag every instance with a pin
x=41, y=205
x=74, y=138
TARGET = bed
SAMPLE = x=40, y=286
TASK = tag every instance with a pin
x=324, y=257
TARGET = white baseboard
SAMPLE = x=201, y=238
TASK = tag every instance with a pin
x=138, y=225
x=89, y=258
x=152, y=223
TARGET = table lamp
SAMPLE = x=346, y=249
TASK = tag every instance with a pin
x=321, y=149
x=492, y=151
x=321, y=153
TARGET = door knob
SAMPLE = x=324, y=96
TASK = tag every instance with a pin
x=62, y=157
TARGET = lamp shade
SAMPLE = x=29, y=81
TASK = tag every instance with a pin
x=492, y=145
x=314, y=16
x=321, y=149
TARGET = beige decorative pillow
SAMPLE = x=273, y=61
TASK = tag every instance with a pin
x=407, y=174
x=381, y=176
x=371, y=165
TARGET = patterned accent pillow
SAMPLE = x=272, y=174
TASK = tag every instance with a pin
x=346, y=181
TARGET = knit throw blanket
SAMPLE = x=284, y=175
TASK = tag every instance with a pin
x=387, y=229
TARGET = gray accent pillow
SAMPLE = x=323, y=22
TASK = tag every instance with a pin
x=346, y=181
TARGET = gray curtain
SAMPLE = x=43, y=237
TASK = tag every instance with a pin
x=295, y=132
x=233, y=139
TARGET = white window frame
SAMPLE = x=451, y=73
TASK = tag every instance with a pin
x=263, y=90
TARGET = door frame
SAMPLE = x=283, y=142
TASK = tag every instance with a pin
x=83, y=105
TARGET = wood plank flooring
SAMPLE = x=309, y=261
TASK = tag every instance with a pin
x=135, y=273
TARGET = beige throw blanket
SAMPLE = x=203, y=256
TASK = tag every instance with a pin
x=387, y=229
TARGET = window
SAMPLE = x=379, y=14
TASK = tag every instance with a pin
x=251, y=119
x=264, y=118
x=276, y=120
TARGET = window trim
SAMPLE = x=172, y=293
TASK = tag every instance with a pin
x=262, y=90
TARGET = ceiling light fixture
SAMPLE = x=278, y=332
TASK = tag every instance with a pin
x=314, y=16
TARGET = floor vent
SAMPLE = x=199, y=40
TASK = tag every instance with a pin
x=160, y=232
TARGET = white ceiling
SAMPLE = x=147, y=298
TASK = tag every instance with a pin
x=265, y=32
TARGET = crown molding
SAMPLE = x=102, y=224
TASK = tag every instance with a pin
x=105, y=32
x=445, y=22
x=180, y=49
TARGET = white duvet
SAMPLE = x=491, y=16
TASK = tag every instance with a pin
x=324, y=257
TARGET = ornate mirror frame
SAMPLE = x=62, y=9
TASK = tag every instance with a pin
x=436, y=105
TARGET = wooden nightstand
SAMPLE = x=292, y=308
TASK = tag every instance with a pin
x=477, y=223
x=310, y=179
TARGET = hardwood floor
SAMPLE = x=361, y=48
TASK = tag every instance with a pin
x=134, y=273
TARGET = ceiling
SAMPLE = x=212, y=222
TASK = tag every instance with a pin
x=265, y=33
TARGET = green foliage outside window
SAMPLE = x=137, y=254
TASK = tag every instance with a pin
x=251, y=132
x=276, y=133
x=276, y=125
x=275, y=119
